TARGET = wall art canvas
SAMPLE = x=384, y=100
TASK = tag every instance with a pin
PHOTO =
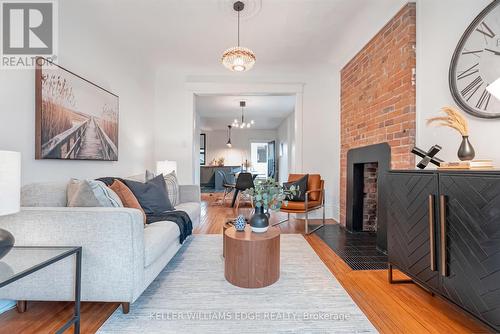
x=75, y=118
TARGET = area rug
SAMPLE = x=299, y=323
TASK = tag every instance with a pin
x=191, y=295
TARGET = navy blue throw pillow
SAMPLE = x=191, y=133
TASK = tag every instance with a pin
x=152, y=195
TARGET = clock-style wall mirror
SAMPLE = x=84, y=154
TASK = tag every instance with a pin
x=476, y=65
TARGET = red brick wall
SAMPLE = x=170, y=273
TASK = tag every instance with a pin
x=378, y=97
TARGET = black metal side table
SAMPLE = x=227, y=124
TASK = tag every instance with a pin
x=23, y=261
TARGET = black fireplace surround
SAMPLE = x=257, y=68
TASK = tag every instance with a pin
x=356, y=158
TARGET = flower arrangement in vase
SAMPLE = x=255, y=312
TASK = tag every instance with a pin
x=455, y=120
x=267, y=195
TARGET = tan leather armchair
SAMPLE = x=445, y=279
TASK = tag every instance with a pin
x=315, y=200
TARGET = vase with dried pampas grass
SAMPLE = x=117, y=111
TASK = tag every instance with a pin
x=454, y=119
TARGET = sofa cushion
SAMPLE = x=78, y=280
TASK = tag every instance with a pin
x=193, y=209
x=80, y=194
x=152, y=195
x=126, y=196
x=172, y=187
x=48, y=194
x=171, y=183
x=157, y=238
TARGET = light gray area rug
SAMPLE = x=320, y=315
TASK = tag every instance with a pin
x=191, y=295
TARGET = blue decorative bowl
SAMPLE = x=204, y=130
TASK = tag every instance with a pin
x=240, y=223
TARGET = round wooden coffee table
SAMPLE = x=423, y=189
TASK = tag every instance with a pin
x=252, y=259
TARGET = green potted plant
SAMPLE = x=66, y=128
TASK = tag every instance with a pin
x=267, y=196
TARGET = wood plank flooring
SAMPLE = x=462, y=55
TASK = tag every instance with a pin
x=401, y=308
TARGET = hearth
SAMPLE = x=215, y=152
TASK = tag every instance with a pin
x=366, y=171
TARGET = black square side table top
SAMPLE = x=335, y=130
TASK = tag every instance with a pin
x=23, y=261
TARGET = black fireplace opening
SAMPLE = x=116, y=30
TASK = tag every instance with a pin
x=366, y=170
x=363, y=242
x=365, y=197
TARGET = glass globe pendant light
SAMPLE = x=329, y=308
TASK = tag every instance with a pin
x=238, y=59
x=243, y=123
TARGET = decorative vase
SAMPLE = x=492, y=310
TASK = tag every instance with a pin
x=259, y=221
x=240, y=223
x=6, y=242
x=466, y=151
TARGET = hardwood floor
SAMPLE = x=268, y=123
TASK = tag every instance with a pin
x=400, y=308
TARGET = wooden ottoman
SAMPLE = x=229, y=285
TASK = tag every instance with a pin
x=252, y=260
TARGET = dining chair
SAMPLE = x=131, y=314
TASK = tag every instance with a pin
x=244, y=182
x=227, y=184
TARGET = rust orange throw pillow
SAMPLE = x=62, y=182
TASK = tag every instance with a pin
x=127, y=197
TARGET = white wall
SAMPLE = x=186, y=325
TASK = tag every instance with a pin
x=284, y=146
x=240, y=139
x=440, y=24
x=89, y=54
x=319, y=127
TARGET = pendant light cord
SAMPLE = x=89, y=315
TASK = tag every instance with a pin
x=238, y=28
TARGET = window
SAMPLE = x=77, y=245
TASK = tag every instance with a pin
x=203, y=152
x=259, y=160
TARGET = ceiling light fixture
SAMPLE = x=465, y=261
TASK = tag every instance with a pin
x=238, y=59
x=228, y=144
x=243, y=124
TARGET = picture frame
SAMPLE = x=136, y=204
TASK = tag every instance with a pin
x=75, y=119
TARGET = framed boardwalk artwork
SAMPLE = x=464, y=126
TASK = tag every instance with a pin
x=75, y=118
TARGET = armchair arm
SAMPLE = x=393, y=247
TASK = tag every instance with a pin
x=112, y=241
x=321, y=191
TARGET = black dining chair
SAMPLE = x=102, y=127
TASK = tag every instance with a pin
x=227, y=184
x=243, y=182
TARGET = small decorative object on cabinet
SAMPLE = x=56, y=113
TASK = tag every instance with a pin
x=443, y=232
x=455, y=120
x=466, y=151
x=468, y=165
x=10, y=194
x=240, y=223
x=267, y=195
x=429, y=156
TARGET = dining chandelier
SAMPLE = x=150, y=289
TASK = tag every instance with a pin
x=243, y=124
x=238, y=59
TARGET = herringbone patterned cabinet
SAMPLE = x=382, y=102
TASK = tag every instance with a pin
x=409, y=232
x=444, y=232
x=473, y=244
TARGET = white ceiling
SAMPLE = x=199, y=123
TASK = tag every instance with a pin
x=286, y=35
x=268, y=112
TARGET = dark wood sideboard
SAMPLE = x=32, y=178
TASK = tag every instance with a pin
x=443, y=231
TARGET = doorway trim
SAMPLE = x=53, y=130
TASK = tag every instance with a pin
x=194, y=89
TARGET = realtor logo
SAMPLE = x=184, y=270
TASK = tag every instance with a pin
x=28, y=31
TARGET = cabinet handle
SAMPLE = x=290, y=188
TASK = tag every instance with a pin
x=442, y=221
x=432, y=235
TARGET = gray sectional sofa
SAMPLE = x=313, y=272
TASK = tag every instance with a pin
x=120, y=258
